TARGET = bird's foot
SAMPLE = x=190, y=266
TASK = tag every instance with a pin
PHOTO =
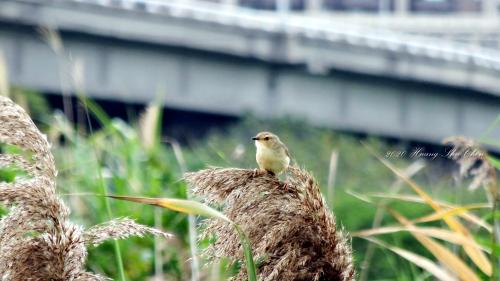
x=257, y=172
x=286, y=186
x=261, y=172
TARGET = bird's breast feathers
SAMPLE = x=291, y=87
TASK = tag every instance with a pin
x=275, y=160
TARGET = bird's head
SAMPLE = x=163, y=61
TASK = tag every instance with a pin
x=266, y=139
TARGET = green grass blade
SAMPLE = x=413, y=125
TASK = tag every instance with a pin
x=247, y=249
x=494, y=161
x=104, y=119
x=96, y=110
x=197, y=208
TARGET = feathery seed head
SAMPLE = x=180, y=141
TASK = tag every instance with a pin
x=472, y=161
x=291, y=229
x=37, y=240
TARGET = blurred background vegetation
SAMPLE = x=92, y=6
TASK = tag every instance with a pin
x=133, y=160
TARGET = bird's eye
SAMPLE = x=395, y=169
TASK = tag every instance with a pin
x=266, y=138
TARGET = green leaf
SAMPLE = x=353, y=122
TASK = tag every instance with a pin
x=247, y=249
x=96, y=111
x=197, y=208
x=494, y=161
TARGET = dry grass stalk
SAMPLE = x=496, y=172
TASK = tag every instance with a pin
x=291, y=229
x=37, y=240
x=4, y=85
x=472, y=161
x=148, y=124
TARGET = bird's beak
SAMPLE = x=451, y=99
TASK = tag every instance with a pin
x=255, y=138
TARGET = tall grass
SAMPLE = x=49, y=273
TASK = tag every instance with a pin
x=130, y=168
x=196, y=208
x=483, y=174
x=104, y=189
x=37, y=239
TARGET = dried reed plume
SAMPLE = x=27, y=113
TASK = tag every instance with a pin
x=472, y=161
x=293, y=233
x=37, y=241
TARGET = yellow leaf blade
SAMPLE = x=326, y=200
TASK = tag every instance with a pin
x=179, y=205
x=411, y=198
x=450, y=260
x=418, y=260
x=453, y=211
x=478, y=257
x=442, y=234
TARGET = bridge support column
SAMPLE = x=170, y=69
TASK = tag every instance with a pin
x=401, y=7
x=230, y=3
x=283, y=7
x=490, y=8
x=314, y=6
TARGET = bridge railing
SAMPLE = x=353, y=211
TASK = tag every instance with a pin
x=301, y=26
x=398, y=8
x=226, y=13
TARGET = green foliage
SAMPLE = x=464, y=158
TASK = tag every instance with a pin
x=34, y=104
x=494, y=161
x=127, y=169
x=196, y=208
x=9, y=173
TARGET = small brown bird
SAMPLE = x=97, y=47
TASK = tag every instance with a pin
x=272, y=155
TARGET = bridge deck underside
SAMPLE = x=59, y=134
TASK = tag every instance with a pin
x=201, y=81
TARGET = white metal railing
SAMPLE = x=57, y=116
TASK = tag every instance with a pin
x=401, y=7
x=227, y=14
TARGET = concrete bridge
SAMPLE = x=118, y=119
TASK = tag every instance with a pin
x=226, y=60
